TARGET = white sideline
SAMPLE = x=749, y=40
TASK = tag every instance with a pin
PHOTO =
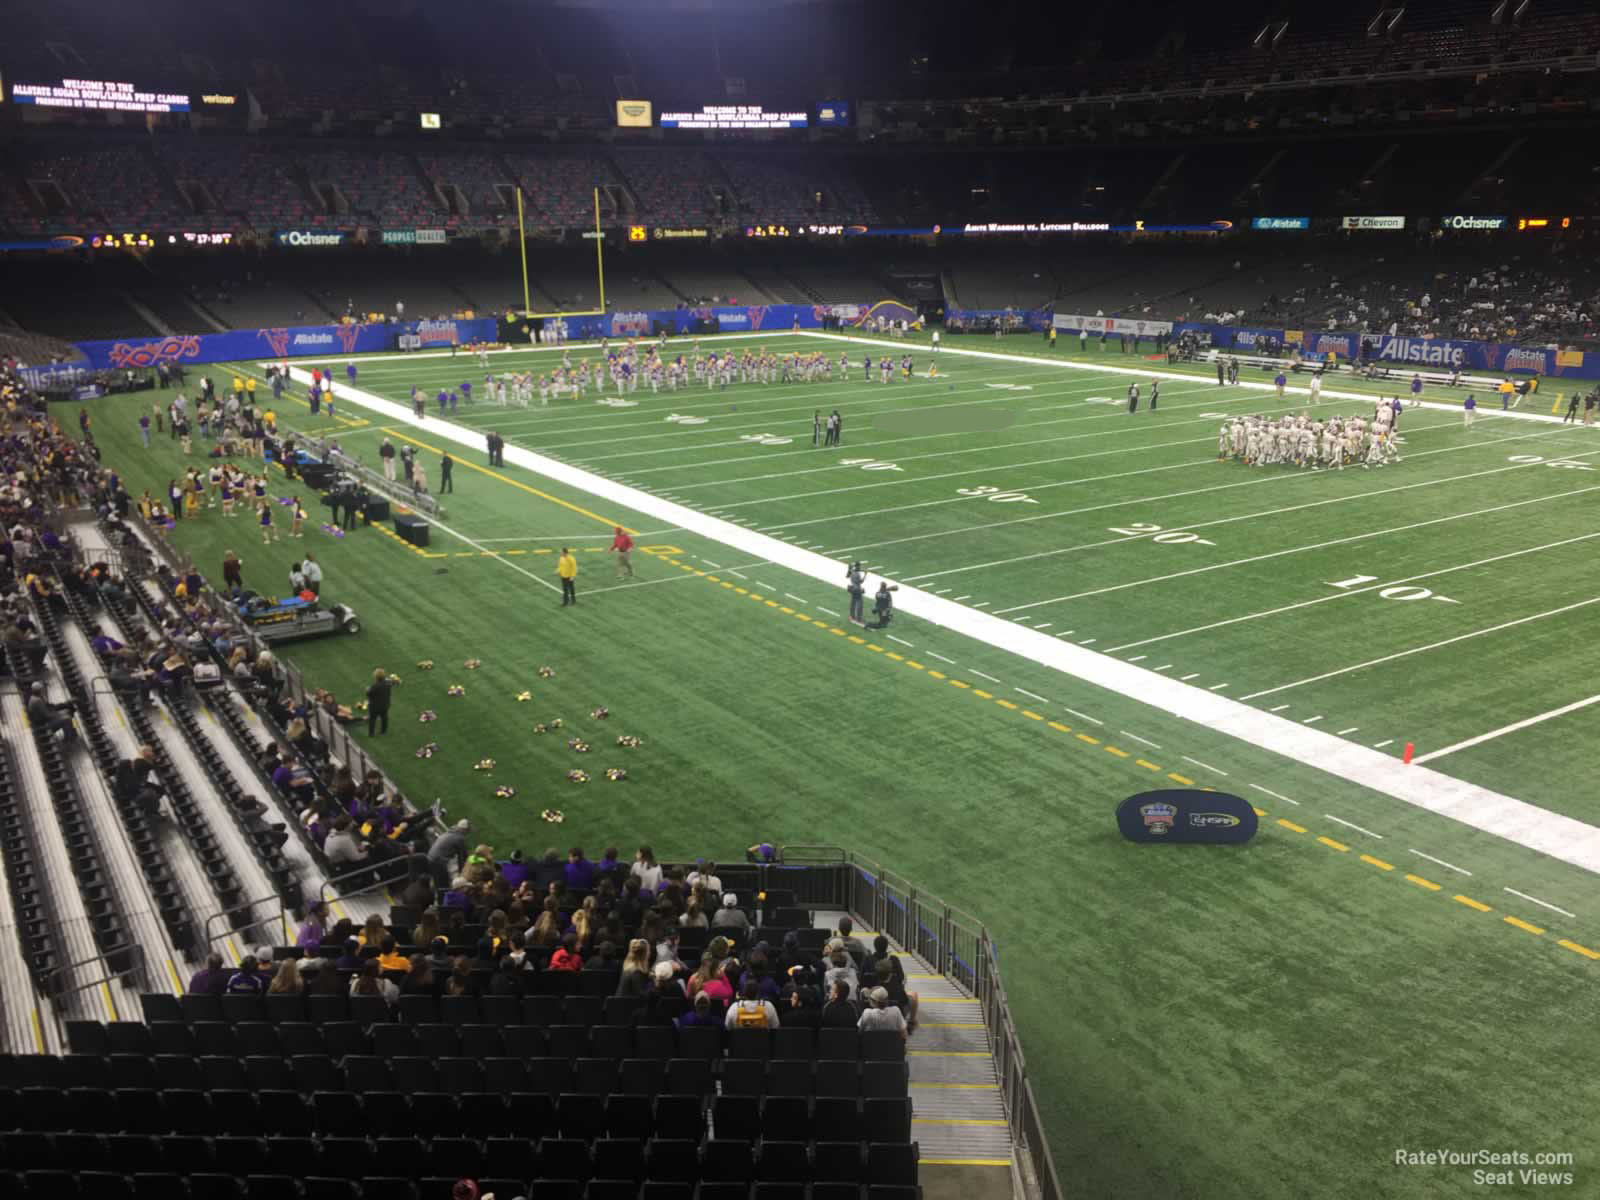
x=1516, y=821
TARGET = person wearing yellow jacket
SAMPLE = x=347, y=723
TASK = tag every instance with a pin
x=567, y=568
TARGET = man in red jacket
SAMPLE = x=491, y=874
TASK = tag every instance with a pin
x=622, y=546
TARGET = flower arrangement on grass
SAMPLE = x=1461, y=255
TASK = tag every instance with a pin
x=577, y=776
x=483, y=764
x=546, y=672
x=554, y=815
x=505, y=792
x=472, y=664
x=455, y=689
x=523, y=697
x=428, y=751
x=601, y=713
x=425, y=665
x=427, y=715
x=630, y=741
x=578, y=745
x=616, y=774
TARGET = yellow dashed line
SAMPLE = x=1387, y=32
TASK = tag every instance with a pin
x=785, y=609
x=1183, y=779
x=1333, y=845
x=859, y=641
x=1084, y=737
x=1114, y=750
x=1577, y=949
x=772, y=604
x=1471, y=903
x=876, y=649
x=713, y=579
x=915, y=666
x=1377, y=862
x=896, y=657
x=1032, y=716
x=1007, y=704
x=1261, y=812
x=1058, y=726
x=932, y=674
x=959, y=683
x=1148, y=766
x=740, y=590
x=837, y=632
x=1523, y=925
x=981, y=694
x=1422, y=883
x=1290, y=825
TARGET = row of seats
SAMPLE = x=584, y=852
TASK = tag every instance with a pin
x=588, y=1118
x=62, y=1185
x=41, y=947
x=286, y=1111
x=484, y=1041
x=308, y=1073
x=679, y=1160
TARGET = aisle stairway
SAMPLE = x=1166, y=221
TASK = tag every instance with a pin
x=957, y=1116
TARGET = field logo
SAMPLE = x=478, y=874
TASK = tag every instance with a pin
x=147, y=354
x=277, y=339
x=1159, y=817
x=1519, y=359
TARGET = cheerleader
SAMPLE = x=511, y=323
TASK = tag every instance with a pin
x=268, y=533
x=297, y=520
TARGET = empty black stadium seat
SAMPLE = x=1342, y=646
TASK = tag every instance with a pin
x=836, y=1162
x=734, y=1116
x=892, y=1163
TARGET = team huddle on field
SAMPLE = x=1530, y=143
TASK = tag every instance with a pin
x=1300, y=441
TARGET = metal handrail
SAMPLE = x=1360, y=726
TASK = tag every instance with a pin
x=47, y=981
x=389, y=488
x=411, y=862
x=905, y=918
x=270, y=898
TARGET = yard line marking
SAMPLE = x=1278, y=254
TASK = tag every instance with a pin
x=1312, y=720
x=1135, y=658
x=1023, y=620
x=1086, y=642
x=1382, y=744
x=941, y=658
x=1216, y=687
x=829, y=611
x=712, y=565
x=1272, y=612
x=1280, y=708
x=959, y=599
x=1137, y=738
x=1442, y=863
x=1275, y=795
x=1197, y=525
x=902, y=641
x=1164, y=667
x=1353, y=825
x=1460, y=637
x=1191, y=675
x=944, y=591
x=1352, y=729
x=1044, y=625
x=981, y=675
x=1086, y=716
x=731, y=571
x=1542, y=903
x=981, y=604
x=1504, y=729
x=1207, y=766
x=768, y=586
x=793, y=597
x=1031, y=695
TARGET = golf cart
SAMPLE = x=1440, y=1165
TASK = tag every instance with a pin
x=295, y=618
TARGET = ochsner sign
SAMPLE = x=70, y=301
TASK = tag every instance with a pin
x=307, y=237
x=1373, y=223
x=1484, y=223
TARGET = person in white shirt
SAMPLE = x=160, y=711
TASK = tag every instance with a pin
x=311, y=570
x=936, y=341
x=705, y=873
x=880, y=1015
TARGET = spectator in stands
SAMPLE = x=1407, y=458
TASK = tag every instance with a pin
x=479, y=868
x=692, y=917
x=426, y=928
x=419, y=979
x=514, y=871
x=350, y=957
x=667, y=949
x=389, y=956
x=459, y=982
x=547, y=929
x=665, y=994
x=610, y=867
x=508, y=979
x=247, y=980
x=579, y=871
x=646, y=870
x=286, y=980
x=448, y=852
x=882, y=1015
x=718, y=985
x=50, y=718
x=730, y=915
x=369, y=981
x=839, y=968
x=550, y=874
x=136, y=784
x=342, y=846
x=567, y=957
x=211, y=979
x=793, y=957
x=751, y=1011
x=853, y=945
x=635, y=978
x=838, y=1012
x=705, y=874
x=315, y=927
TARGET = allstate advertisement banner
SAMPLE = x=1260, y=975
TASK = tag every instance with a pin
x=1098, y=325
x=293, y=342
x=1280, y=222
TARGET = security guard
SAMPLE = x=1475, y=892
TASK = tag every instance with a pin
x=567, y=568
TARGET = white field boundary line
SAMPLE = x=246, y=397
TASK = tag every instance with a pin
x=1068, y=365
x=1272, y=612
x=1524, y=824
x=1183, y=495
x=1460, y=637
x=1505, y=729
x=1186, y=526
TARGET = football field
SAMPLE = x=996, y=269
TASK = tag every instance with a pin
x=1368, y=976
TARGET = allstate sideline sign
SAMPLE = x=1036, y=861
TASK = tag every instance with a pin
x=1187, y=815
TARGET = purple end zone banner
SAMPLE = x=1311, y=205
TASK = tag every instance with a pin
x=298, y=341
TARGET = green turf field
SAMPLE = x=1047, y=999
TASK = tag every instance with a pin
x=1269, y=1022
